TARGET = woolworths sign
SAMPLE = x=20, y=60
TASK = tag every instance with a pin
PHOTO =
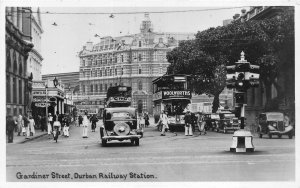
x=176, y=94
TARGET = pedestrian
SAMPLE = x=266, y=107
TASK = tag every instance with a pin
x=65, y=125
x=26, y=126
x=20, y=124
x=165, y=123
x=146, y=117
x=85, y=123
x=51, y=121
x=201, y=124
x=194, y=121
x=38, y=122
x=141, y=123
x=11, y=124
x=286, y=119
x=43, y=123
x=31, y=125
x=80, y=119
x=94, y=120
x=188, y=124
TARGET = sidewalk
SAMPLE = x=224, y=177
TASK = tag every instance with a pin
x=22, y=139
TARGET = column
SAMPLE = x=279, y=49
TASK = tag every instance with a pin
x=63, y=107
x=59, y=107
x=55, y=108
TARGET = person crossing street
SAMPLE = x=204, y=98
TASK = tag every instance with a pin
x=188, y=124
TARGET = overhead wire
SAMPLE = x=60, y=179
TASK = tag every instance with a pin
x=137, y=12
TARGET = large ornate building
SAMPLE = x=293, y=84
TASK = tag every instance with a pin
x=130, y=60
x=18, y=45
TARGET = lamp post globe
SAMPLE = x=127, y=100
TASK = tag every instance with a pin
x=55, y=82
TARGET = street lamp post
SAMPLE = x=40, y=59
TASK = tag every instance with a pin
x=46, y=103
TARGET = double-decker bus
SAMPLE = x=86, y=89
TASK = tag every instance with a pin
x=172, y=93
x=119, y=118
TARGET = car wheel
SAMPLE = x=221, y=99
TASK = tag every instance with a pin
x=290, y=136
x=104, y=142
x=137, y=142
x=270, y=135
x=279, y=136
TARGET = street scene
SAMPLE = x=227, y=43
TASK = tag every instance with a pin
x=150, y=94
x=204, y=158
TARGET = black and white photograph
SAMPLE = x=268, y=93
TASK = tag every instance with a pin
x=198, y=94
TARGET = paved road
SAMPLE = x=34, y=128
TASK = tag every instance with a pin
x=169, y=158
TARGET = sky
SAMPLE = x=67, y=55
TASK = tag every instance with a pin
x=61, y=43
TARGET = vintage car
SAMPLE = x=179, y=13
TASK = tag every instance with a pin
x=228, y=122
x=120, y=124
x=212, y=121
x=272, y=123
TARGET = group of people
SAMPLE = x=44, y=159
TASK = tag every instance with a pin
x=191, y=120
x=23, y=125
x=61, y=121
x=85, y=121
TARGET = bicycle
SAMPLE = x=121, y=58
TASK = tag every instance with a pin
x=56, y=128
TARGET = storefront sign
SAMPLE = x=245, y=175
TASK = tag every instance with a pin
x=176, y=94
x=42, y=105
x=120, y=99
x=157, y=96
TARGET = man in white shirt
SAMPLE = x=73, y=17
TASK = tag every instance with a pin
x=165, y=122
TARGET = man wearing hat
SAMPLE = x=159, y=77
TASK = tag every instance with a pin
x=188, y=124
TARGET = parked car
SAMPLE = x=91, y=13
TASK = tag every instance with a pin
x=228, y=122
x=272, y=123
x=120, y=123
x=212, y=121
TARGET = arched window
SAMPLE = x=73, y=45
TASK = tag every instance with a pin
x=140, y=85
x=92, y=89
x=140, y=70
x=140, y=43
x=122, y=71
x=116, y=72
x=105, y=72
x=110, y=72
x=100, y=87
x=140, y=106
x=105, y=87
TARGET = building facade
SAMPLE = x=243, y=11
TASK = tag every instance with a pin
x=18, y=45
x=130, y=60
x=35, y=58
x=66, y=92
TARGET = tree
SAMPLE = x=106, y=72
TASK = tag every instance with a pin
x=268, y=43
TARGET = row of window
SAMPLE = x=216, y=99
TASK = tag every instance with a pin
x=112, y=72
x=14, y=64
x=94, y=88
x=106, y=59
x=16, y=95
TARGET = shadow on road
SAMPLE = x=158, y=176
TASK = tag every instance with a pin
x=243, y=153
